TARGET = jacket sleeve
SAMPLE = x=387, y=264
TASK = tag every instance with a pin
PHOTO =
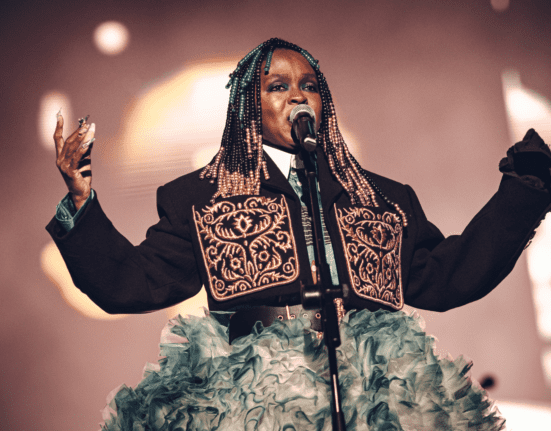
x=120, y=277
x=449, y=272
x=66, y=212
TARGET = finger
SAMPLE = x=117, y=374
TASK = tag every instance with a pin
x=86, y=158
x=85, y=164
x=71, y=155
x=79, y=132
x=85, y=150
x=73, y=142
x=58, y=134
x=88, y=138
x=88, y=149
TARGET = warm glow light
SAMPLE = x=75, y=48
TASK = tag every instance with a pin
x=194, y=306
x=178, y=117
x=527, y=109
x=526, y=105
x=525, y=416
x=49, y=107
x=111, y=37
x=546, y=363
x=539, y=262
x=55, y=269
x=539, y=268
x=204, y=155
x=500, y=5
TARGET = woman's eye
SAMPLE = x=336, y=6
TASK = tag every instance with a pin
x=310, y=87
x=278, y=87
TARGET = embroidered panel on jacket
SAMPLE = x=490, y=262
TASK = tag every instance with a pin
x=372, y=244
x=247, y=246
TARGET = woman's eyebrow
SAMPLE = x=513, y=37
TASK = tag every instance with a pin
x=286, y=76
x=278, y=76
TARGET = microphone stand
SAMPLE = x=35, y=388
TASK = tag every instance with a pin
x=322, y=293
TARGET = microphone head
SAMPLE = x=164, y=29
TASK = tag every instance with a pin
x=301, y=110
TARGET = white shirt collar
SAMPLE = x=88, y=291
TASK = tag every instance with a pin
x=281, y=158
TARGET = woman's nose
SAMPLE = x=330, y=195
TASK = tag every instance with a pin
x=297, y=97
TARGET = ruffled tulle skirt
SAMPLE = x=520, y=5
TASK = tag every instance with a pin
x=276, y=378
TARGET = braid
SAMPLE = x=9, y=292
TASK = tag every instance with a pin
x=240, y=161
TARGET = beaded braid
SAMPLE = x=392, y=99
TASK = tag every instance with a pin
x=238, y=164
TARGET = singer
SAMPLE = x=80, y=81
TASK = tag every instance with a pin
x=239, y=226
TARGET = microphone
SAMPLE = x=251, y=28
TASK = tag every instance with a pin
x=303, y=119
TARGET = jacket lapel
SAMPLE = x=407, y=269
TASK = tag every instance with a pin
x=329, y=186
x=277, y=181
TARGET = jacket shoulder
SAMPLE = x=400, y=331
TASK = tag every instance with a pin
x=185, y=180
x=384, y=181
x=189, y=186
x=393, y=189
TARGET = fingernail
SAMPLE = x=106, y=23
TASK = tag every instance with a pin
x=82, y=121
x=92, y=128
x=87, y=144
x=58, y=115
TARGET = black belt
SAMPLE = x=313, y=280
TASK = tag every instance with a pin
x=243, y=321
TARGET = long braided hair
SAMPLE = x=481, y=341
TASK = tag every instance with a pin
x=240, y=161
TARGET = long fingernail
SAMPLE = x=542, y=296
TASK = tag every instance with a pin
x=87, y=144
x=81, y=121
x=88, y=129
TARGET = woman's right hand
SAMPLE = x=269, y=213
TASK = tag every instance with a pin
x=73, y=159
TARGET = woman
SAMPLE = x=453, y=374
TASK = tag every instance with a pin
x=239, y=226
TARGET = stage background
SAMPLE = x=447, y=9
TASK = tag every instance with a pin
x=419, y=88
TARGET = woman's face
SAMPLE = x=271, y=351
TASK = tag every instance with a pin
x=291, y=81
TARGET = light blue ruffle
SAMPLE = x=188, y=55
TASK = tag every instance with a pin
x=276, y=379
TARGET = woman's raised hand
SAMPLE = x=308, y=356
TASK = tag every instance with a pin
x=73, y=159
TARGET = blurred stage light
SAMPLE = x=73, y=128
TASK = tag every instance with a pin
x=525, y=416
x=527, y=109
x=174, y=125
x=55, y=269
x=194, y=306
x=500, y=5
x=111, y=37
x=49, y=107
x=546, y=363
x=539, y=268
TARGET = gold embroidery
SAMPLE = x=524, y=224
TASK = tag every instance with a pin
x=372, y=244
x=247, y=246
